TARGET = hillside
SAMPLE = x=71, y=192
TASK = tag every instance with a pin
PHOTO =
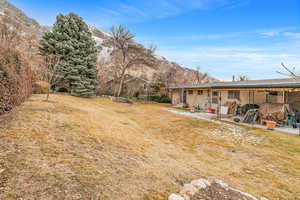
x=179, y=74
x=28, y=25
x=75, y=148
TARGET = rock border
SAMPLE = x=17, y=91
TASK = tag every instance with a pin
x=190, y=189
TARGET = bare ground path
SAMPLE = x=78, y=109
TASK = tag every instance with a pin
x=72, y=148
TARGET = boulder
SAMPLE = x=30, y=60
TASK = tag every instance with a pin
x=175, y=197
x=200, y=183
x=189, y=190
x=222, y=184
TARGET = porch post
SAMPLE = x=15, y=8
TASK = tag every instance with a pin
x=249, y=96
x=210, y=91
x=182, y=91
x=220, y=104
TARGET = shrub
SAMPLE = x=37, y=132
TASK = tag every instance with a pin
x=40, y=87
x=15, y=79
x=161, y=99
x=165, y=99
x=62, y=89
x=15, y=72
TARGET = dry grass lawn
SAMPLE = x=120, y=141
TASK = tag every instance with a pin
x=73, y=148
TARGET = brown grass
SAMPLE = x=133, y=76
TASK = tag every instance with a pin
x=72, y=148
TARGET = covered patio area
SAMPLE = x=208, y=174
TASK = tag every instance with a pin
x=256, y=102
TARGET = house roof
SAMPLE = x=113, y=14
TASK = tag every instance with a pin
x=267, y=83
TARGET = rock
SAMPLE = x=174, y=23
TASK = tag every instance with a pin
x=200, y=183
x=222, y=184
x=189, y=190
x=175, y=197
x=211, y=189
x=186, y=197
x=263, y=198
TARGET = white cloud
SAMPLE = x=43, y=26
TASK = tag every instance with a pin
x=132, y=10
x=270, y=33
x=291, y=34
x=223, y=62
x=137, y=11
x=223, y=55
x=207, y=36
x=280, y=32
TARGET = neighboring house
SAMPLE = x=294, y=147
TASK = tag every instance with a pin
x=258, y=92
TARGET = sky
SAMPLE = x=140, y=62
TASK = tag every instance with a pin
x=222, y=37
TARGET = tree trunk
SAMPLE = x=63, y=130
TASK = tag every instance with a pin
x=48, y=93
x=121, y=85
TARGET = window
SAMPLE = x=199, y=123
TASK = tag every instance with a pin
x=215, y=97
x=233, y=94
x=273, y=96
x=200, y=92
x=273, y=93
x=190, y=91
x=215, y=100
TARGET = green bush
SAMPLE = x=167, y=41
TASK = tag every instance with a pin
x=161, y=99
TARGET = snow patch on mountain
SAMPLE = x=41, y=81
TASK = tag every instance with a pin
x=99, y=41
x=104, y=52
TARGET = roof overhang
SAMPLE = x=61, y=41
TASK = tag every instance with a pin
x=253, y=84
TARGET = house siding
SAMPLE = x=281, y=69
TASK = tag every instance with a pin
x=176, y=97
x=244, y=97
x=201, y=100
x=204, y=100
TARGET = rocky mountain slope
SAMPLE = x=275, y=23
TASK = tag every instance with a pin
x=164, y=68
x=27, y=24
x=179, y=73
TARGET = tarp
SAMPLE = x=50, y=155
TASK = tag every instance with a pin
x=274, y=111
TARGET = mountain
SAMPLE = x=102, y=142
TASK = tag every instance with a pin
x=27, y=24
x=179, y=73
x=176, y=73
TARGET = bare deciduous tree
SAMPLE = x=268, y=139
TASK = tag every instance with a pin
x=128, y=54
x=9, y=32
x=243, y=78
x=240, y=78
x=199, y=77
x=51, y=72
x=166, y=78
x=289, y=72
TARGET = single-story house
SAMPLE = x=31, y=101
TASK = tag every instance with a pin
x=212, y=95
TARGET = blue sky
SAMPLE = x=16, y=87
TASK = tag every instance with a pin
x=222, y=37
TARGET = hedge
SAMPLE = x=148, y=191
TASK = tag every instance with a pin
x=15, y=79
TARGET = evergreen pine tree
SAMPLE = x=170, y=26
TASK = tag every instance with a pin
x=71, y=41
